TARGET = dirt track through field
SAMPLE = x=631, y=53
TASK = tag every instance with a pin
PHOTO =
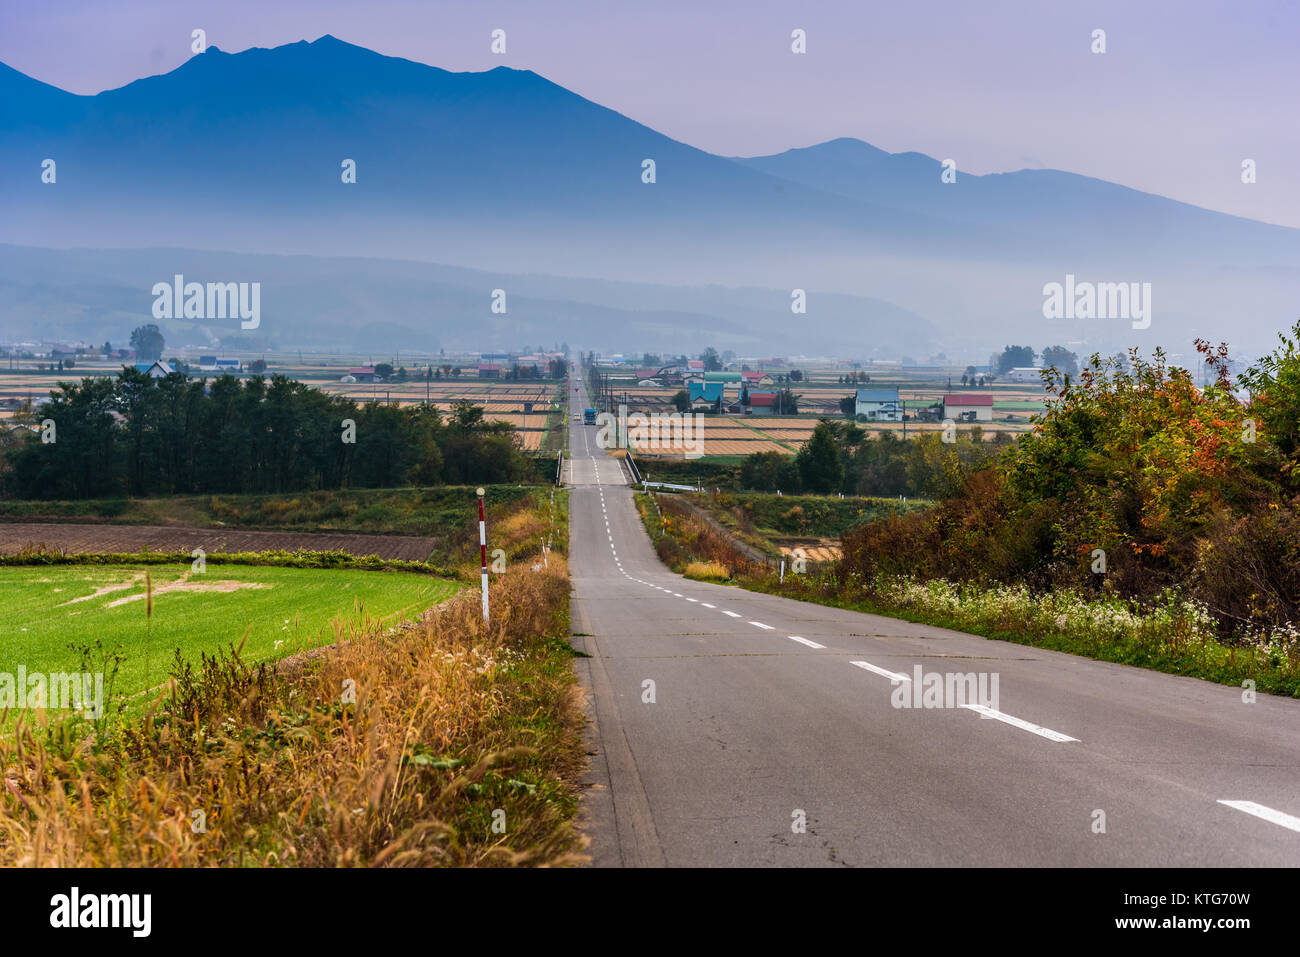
x=160, y=538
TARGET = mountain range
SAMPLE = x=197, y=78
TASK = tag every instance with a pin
x=230, y=167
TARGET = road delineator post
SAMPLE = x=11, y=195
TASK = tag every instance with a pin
x=482, y=545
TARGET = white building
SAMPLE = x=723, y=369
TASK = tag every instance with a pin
x=879, y=405
x=968, y=407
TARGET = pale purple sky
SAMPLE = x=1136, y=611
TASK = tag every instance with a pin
x=1186, y=91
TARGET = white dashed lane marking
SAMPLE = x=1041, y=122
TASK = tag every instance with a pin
x=891, y=675
x=1024, y=725
x=805, y=641
x=759, y=624
x=1265, y=813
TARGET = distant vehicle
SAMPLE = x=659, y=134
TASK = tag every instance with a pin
x=589, y=417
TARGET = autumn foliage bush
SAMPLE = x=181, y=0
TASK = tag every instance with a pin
x=1133, y=482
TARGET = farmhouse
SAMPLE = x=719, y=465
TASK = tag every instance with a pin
x=879, y=405
x=705, y=396
x=968, y=407
x=154, y=370
x=762, y=403
x=489, y=371
x=1022, y=374
x=757, y=378
x=722, y=377
x=363, y=373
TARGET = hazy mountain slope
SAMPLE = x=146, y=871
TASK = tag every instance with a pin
x=386, y=305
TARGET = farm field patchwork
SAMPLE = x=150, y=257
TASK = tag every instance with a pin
x=52, y=610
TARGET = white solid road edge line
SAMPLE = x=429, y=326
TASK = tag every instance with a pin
x=1020, y=723
x=805, y=641
x=891, y=675
x=1267, y=813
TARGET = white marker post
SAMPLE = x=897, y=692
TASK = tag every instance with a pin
x=482, y=544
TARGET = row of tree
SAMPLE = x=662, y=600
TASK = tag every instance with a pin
x=135, y=435
x=1021, y=357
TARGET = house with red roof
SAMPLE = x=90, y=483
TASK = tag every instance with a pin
x=762, y=403
x=968, y=407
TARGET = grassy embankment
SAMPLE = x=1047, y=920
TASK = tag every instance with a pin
x=1173, y=636
x=438, y=741
x=771, y=523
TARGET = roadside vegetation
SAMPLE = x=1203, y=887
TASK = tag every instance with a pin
x=766, y=522
x=1143, y=520
x=404, y=731
x=448, y=743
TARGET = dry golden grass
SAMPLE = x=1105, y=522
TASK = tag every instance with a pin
x=712, y=571
x=452, y=721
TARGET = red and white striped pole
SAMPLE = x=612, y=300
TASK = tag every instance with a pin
x=482, y=544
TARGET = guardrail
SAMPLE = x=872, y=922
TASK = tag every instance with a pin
x=631, y=464
x=670, y=485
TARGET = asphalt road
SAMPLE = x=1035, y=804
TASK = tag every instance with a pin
x=769, y=713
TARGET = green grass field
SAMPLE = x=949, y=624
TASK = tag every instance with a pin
x=282, y=610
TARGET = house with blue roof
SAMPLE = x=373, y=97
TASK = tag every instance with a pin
x=879, y=405
x=705, y=396
x=154, y=370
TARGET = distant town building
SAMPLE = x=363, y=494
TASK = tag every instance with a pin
x=704, y=396
x=968, y=407
x=722, y=377
x=879, y=405
x=1022, y=374
x=229, y=365
x=154, y=370
x=489, y=371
